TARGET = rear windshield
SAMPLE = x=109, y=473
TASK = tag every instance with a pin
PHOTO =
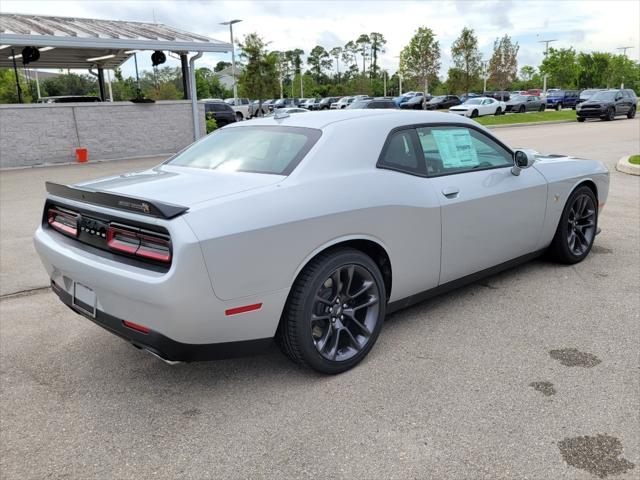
x=261, y=149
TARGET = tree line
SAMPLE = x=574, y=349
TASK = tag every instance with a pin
x=353, y=68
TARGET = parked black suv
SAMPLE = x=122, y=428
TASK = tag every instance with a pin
x=608, y=104
x=325, y=103
x=221, y=112
x=443, y=101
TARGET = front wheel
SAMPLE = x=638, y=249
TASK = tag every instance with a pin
x=498, y=111
x=521, y=109
x=238, y=116
x=559, y=107
x=577, y=227
x=542, y=108
x=610, y=115
x=334, y=312
x=632, y=113
x=581, y=119
x=474, y=114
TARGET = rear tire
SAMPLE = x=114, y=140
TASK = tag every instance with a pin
x=581, y=119
x=542, y=108
x=577, y=227
x=632, y=113
x=239, y=117
x=334, y=312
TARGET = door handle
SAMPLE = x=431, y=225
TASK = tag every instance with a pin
x=450, y=192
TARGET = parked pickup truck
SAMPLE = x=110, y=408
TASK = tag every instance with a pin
x=240, y=106
x=559, y=99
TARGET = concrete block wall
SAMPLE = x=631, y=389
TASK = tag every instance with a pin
x=35, y=134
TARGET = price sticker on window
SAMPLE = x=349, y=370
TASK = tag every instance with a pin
x=456, y=148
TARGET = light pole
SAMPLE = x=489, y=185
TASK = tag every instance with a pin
x=546, y=51
x=399, y=74
x=233, y=59
x=624, y=50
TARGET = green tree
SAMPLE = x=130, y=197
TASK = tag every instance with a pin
x=592, y=69
x=364, y=48
x=466, y=58
x=8, y=89
x=318, y=61
x=527, y=72
x=562, y=67
x=258, y=78
x=123, y=88
x=377, y=47
x=503, y=66
x=70, y=84
x=421, y=58
x=336, y=52
x=221, y=65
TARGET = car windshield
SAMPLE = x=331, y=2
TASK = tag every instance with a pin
x=437, y=99
x=587, y=94
x=604, y=96
x=358, y=104
x=273, y=150
x=473, y=101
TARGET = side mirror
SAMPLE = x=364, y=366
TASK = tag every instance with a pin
x=522, y=159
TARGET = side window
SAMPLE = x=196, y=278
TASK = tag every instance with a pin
x=449, y=150
x=400, y=154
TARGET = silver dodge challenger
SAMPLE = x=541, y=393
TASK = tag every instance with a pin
x=309, y=229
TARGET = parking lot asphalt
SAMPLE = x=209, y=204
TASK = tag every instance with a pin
x=533, y=373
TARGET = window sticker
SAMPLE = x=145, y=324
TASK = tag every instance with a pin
x=456, y=148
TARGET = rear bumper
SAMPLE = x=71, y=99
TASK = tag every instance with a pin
x=162, y=346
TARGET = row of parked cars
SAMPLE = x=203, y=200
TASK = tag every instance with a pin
x=590, y=103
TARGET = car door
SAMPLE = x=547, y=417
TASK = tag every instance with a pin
x=530, y=104
x=488, y=214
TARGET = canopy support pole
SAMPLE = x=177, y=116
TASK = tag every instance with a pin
x=103, y=93
x=15, y=71
x=185, y=76
x=194, y=96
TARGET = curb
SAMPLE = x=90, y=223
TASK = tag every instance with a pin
x=88, y=162
x=624, y=166
x=529, y=124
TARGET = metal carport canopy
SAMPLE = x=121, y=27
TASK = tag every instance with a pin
x=72, y=41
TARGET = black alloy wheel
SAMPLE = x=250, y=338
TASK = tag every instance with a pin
x=559, y=106
x=334, y=312
x=498, y=111
x=611, y=114
x=632, y=112
x=474, y=114
x=345, y=312
x=542, y=108
x=577, y=227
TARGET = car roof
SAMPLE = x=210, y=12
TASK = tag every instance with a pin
x=322, y=119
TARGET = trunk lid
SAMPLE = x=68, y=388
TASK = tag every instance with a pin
x=181, y=185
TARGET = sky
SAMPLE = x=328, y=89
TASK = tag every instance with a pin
x=602, y=25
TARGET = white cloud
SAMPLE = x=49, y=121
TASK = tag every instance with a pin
x=584, y=25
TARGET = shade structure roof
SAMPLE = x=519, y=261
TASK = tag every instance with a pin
x=68, y=42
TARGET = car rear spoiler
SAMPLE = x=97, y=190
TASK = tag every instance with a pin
x=151, y=208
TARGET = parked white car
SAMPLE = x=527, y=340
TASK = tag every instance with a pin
x=240, y=106
x=342, y=103
x=479, y=106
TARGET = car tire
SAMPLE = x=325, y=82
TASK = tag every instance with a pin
x=315, y=329
x=577, y=227
x=559, y=106
x=521, y=109
x=542, y=108
x=632, y=113
x=610, y=115
x=498, y=111
x=239, y=117
x=474, y=114
x=581, y=119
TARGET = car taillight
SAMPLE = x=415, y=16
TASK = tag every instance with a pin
x=64, y=222
x=141, y=244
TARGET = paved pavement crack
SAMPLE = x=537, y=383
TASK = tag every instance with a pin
x=25, y=292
